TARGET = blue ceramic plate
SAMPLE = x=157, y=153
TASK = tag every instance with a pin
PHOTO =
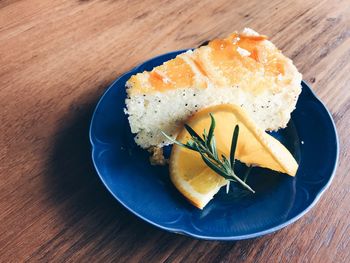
x=148, y=193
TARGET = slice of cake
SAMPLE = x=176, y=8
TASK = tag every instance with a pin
x=244, y=69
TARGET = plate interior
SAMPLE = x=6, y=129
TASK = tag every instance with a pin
x=147, y=191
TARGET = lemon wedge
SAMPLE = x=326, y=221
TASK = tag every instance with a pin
x=196, y=181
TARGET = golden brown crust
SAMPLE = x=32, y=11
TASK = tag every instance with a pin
x=225, y=62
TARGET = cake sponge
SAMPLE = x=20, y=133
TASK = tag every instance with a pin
x=244, y=69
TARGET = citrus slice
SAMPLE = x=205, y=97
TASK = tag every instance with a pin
x=196, y=181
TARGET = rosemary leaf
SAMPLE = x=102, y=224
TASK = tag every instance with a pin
x=205, y=136
x=214, y=167
x=233, y=146
x=211, y=130
x=213, y=147
x=226, y=163
x=193, y=133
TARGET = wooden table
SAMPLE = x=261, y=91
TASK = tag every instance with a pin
x=56, y=60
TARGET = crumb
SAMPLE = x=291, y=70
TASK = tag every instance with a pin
x=157, y=156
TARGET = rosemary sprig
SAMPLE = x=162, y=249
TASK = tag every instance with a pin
x=206, y=147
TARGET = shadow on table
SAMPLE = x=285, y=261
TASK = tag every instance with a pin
x=85, y=207
x=87, y=213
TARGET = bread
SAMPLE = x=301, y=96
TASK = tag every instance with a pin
x=243, y=69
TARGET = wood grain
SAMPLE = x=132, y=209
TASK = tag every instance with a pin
x=57, y=58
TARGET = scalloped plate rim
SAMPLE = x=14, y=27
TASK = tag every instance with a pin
x=207, y=237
